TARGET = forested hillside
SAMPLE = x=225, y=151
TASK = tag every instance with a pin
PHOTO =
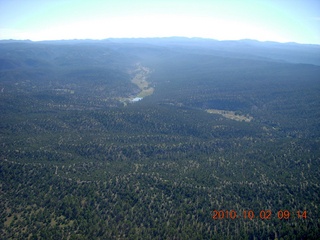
x=146, y=138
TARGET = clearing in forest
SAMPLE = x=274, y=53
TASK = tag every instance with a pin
x=231, y=115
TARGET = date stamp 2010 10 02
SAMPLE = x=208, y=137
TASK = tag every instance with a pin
x=263, y=214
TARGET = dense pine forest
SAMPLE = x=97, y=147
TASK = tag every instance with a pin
x=168, y=138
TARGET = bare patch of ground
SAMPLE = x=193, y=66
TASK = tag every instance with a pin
x=146, y=92
x=231, y=115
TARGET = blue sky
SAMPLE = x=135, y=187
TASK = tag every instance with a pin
x=264, y=20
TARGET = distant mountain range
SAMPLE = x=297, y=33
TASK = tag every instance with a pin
x=288, y=52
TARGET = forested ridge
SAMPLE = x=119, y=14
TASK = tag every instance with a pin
x=79, y=160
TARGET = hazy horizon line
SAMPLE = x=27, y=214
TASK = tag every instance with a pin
x=150, y=38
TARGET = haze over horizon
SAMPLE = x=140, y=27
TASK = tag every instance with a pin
x=280, y=21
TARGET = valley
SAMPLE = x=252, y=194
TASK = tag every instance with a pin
x=139, y=77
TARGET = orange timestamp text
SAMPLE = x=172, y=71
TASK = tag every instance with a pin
x=263, y=214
